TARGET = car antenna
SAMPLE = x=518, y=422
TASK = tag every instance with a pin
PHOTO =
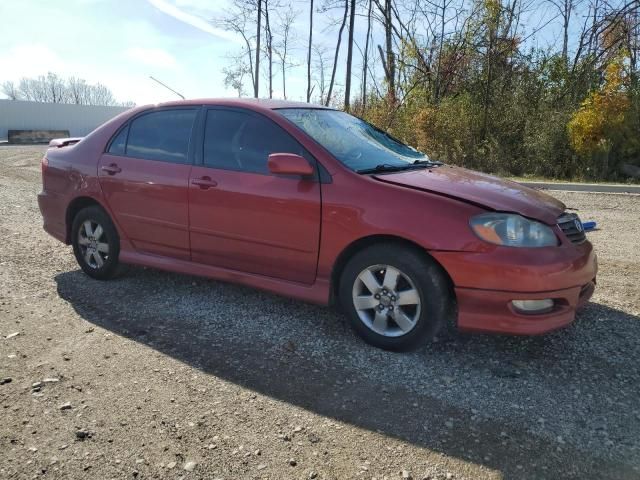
x=167, y=87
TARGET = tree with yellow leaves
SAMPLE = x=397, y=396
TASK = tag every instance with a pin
x=600, y=120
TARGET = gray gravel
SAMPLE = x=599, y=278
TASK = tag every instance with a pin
x=163, y=375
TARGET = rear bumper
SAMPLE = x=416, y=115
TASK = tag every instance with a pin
x=486, y=283
x=53, y=215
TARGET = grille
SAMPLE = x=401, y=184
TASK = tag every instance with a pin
x=571, y=226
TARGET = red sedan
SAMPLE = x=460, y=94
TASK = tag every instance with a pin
x=315, y=204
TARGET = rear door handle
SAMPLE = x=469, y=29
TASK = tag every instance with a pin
x=111, y=169
x=204, y=182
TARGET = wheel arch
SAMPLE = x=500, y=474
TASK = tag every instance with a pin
x=365, y=242
x=73, y=208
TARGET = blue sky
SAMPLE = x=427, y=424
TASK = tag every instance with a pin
x=120, y=43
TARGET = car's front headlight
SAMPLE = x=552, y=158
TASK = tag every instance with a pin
x=512, y=230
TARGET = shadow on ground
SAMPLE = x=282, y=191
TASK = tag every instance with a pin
x=527, y=407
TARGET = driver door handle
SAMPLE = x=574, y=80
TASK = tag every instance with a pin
x=111, y=169
x=204, y=182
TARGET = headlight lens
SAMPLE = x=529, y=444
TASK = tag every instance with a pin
x=511, y=230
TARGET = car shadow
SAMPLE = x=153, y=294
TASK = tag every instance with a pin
x=527, y=407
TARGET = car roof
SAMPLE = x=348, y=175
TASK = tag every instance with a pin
x=253, y=103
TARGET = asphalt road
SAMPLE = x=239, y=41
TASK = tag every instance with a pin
x=584, y=187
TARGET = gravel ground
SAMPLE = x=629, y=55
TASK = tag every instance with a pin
x=158, y=375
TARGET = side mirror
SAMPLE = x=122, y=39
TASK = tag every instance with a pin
x=289, y=164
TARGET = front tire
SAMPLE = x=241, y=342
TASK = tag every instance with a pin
x=395, y=296
x=96, y=244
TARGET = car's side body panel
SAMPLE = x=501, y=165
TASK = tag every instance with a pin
x=279, y=232
x=316, y=293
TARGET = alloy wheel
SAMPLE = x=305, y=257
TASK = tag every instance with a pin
x=386, y=300
x=93, y=243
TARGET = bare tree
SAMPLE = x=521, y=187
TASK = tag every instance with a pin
x=55, y=89
x=337, y=53
x=388, y=56
x=442, y=10
x=100, y=95
x=35, y=89
x=256, y=85
x=309, y=51
x=320, y=68
x=268, y=44
x=78, y=90
x=239, y=20
x=283, y=45
x=234, y=76
x=633, y=40
x=565, y=9
x=347, y=83
x=10, y=90
x=365, y=57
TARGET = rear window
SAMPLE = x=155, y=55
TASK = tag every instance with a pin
x=162, y=136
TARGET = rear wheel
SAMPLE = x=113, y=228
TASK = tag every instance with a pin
x=395, y=296
x=96, y=244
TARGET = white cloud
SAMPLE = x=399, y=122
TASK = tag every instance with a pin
x=192, y=20
x=30, y=60
x=154, y=57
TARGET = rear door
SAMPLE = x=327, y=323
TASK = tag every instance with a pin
x=145, y=175
x=241, y=216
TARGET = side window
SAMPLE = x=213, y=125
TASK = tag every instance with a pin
x=235, y=140
x=119, y=142
x=162, y=135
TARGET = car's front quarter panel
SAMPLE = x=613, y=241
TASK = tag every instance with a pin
x=355, y=207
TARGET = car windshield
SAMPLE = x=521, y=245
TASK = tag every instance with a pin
x=357, y=144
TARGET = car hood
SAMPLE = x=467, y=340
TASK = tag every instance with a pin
x=486, y=190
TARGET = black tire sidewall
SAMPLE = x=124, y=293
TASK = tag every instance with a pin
x=110, y=267
x=427, y=276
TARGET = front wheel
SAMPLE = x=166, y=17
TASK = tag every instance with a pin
x=96, y=244
x=395, y=296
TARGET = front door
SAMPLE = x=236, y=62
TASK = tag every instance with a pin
x=241, y=216
x=144, y=176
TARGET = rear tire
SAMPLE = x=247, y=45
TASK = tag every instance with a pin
x=395, y=297
x=96, y=243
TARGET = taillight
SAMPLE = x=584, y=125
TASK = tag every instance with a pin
x=44, y=164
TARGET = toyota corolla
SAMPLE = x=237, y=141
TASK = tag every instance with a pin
x=316, y=204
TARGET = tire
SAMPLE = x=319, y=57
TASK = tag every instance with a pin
x=97, y=255
x=414, y=311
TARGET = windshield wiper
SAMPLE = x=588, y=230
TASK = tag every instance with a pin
x=428, y=163
x=387, y=167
